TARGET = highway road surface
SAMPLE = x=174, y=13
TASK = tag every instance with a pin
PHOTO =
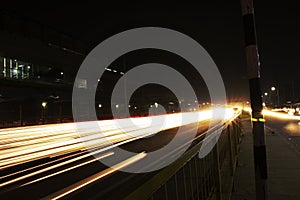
x=285, y=124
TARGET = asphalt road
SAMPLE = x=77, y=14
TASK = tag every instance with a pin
x=56, y=174
x=289, y=128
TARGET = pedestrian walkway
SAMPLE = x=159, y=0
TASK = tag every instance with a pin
x=283, y=167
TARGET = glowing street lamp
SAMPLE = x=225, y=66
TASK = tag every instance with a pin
x=118, y=112
x=277, y=93
x=44, y=104
x=273, y=88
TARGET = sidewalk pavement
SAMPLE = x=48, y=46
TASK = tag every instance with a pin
x=283, y=167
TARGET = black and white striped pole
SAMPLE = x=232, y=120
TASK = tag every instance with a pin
x=253, y=66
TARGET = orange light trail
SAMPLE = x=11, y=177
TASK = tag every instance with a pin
x=25, y=144
x=280, y=115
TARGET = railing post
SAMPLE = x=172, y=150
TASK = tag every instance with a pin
x=230, y=149
x=235, y=139
x=191, y=179
x=217, y=172
x=166, y=191
x=240, y=130
x=197, y=177
x=184, y=182
x=204, y=176
x=176, y=186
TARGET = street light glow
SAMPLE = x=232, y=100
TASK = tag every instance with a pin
x=44, y=104
x=273, y=88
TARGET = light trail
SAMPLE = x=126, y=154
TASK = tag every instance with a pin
x=21, y=145
x=53, y=167
x=37, y=155
x=72, y=188
x=280, y=115
x=70, y=168
x=41, y=165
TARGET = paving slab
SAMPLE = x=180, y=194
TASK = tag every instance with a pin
x=283, y=167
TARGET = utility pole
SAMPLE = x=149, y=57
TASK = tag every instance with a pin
x=21, y=114
x=60, y=112
x=125, y=88
x=293, y=93
x=278, y=99
x=253, y=66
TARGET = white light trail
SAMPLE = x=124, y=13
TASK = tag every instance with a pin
x=52, y=167
x=24, y=144
x=70, y=168
x=95, y=177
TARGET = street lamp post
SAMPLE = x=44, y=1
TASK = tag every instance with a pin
x=277, y=94
x=21, y=114
x=118, y=110
x=266, y=95
x=44, y=104
x=60, y=113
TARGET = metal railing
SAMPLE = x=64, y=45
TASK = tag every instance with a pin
x=190, y=177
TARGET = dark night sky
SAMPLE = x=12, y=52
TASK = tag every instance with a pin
x=216, y=25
